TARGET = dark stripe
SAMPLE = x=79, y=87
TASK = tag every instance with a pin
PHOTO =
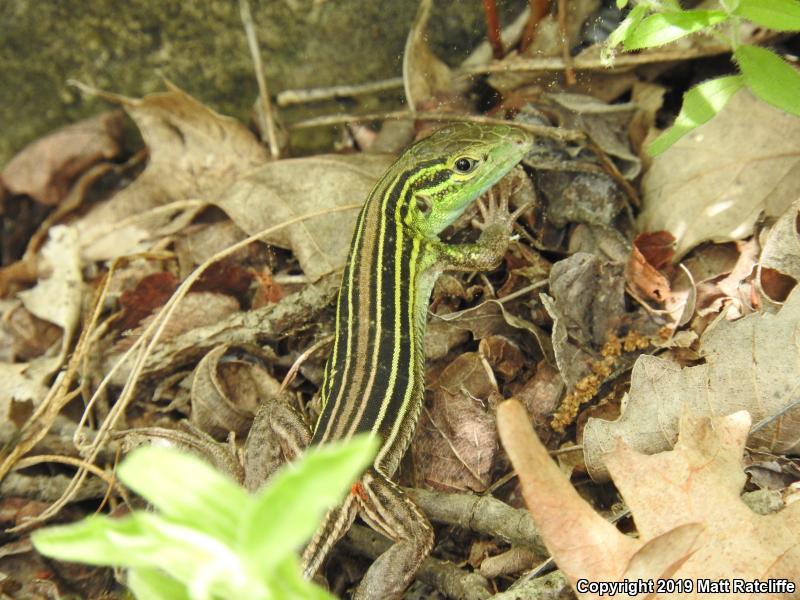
x=359, y=406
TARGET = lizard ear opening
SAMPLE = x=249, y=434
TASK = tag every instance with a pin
x=423, y=204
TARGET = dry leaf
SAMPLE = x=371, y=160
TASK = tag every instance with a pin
x=583, y=544
x=540, y=394
x=779, y=265
x=455, y=442
x=701, y=481
x=426, y=78
x=577, y=197
x=290, y=188
x=606, y=125
x=23, y=336
x=56, y=299
x=226, y=391
x=751, y=364
x=195, y=311
x=503, y=355
x=195, y=154
x=151, y=292
x=490, y=318
x=714, y=183
x=686, y=504
x=650, y=253
x=587, y=305
x=45, y=169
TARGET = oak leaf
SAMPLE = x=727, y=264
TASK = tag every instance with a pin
x=686, y=503
x=751, y=364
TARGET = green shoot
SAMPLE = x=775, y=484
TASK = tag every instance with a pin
x=651, y=23
x=210, y=539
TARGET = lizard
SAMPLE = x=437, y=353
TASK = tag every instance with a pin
x=374, y=377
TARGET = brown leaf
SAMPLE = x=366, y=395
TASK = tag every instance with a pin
x=779, y=265
x=686, y=504
x=713, y=183
x=491, y=317
x=503, y=355
x=455, y=442
x=24, y=336
x=56, y=298
x=280, y=191
x=151, y=292
x=606, y=124
x=540, y=394
x=700, y=481
x=583, y=544
x=45, y=169
x=751, y=364
x=650, y=253
x=195, y=154
x=426, y=77
x=226, y=392
x=196, y=310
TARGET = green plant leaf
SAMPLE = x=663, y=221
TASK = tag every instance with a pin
x=662, y=28
x=630, y=22
x=97, y=540
x=152, y=584
x=142, y=540
x=780, y=15
x=622, y=4
x=700, y=104
x=288, y=510
x=186, y=489
x=770, y=77
x=287, y=582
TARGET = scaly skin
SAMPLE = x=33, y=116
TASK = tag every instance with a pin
x=374, y=378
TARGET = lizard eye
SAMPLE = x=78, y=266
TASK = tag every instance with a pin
x=465, y=164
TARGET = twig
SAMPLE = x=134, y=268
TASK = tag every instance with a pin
x=553, y=586
x=493, y=28
x=292, y=373
x=539, y=9
x=292, y=97
x=514, y=560
x=155, y=330
x=555, y=133
x=266, y=106
x=523, y=291
x=442, y=575
x=39, y=423
x=49, y=488
x=566, y=56
x=769, y=419
x=110, y=480
x=265, y=324
x=483, y=514
x=593, y=63
x=611, y=169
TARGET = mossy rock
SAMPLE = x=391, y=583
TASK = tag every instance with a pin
x=128, y=47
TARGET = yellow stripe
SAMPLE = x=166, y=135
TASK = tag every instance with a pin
x=348, y=351
x=390, y=441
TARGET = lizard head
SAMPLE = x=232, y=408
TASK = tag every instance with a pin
x=455, y=165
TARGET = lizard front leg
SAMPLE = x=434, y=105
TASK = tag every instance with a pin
x=488, y=251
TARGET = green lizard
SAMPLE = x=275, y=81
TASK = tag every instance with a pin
x=374, y=376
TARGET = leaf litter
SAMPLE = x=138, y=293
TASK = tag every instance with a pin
x=174, y=303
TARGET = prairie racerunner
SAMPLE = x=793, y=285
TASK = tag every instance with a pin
x=374, y=377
